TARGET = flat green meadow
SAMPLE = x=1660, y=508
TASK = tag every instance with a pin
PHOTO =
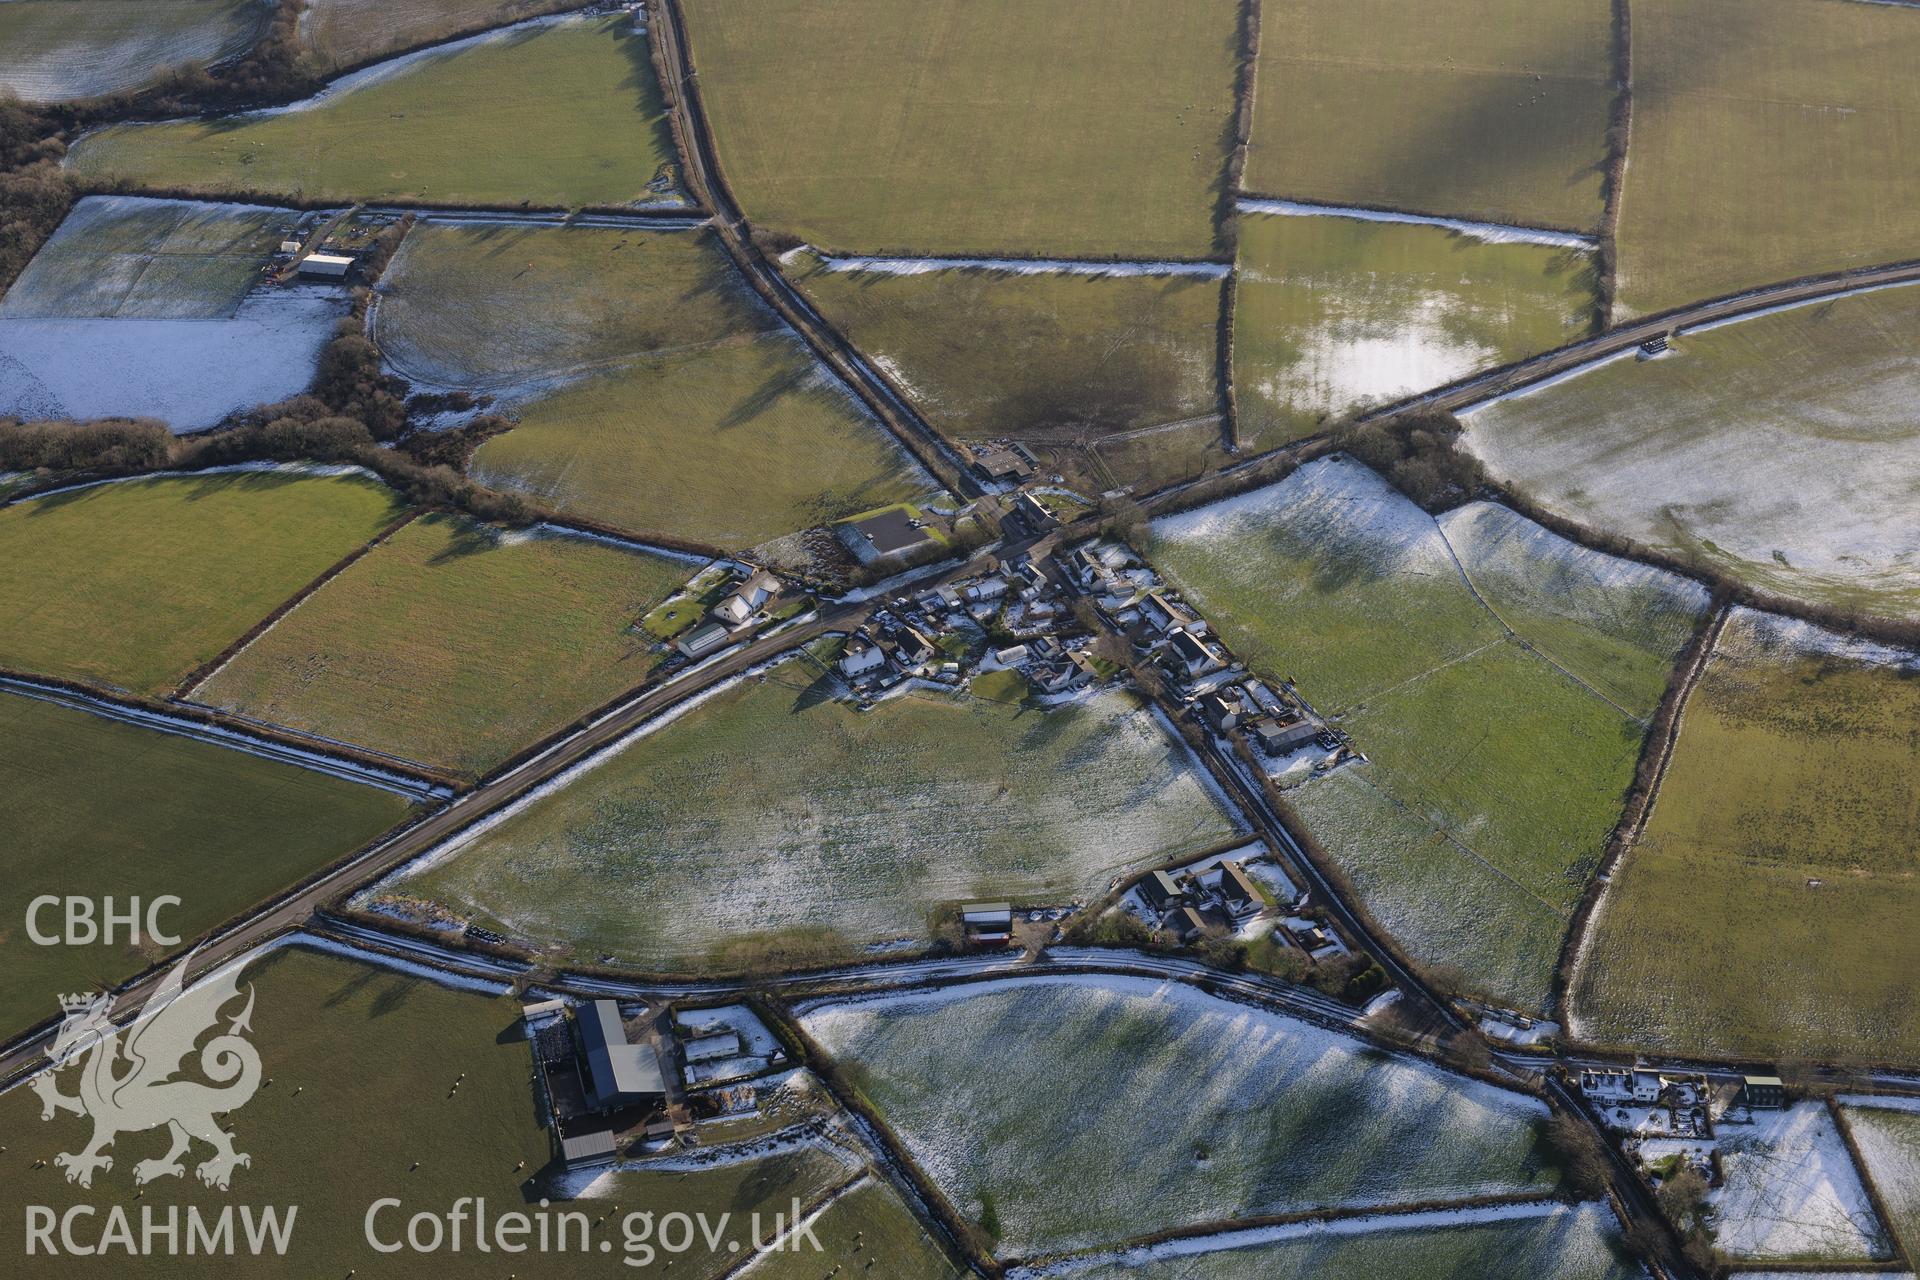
x=565, y=113
x=135, y=584
x=455, y=645
x=95, y=806
x=1779, y=858
x=973, y=126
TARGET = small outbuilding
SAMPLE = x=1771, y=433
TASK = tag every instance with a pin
x=326, y=266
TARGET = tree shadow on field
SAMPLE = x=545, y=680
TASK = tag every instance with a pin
x=648, y=101
x=469, y=539
x=761, y=400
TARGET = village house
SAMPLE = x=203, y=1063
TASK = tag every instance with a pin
x=1237, y=891
x=1763, y=1093
x=1159, y=891
x=1275, y=739
x=1193, y=658
x=748, y=599
x=1222, y=709
x=715, y=1044
x=861, y=655
x=1184, y=925
x=1164, y=614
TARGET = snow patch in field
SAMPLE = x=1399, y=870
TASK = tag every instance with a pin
x=413, y=969
x=1792, y=1192
x=1024, y=267
x=187, y=373
x=1338, y=502
x=1773, y=633
x=1490, y=232
x=1311, y=1229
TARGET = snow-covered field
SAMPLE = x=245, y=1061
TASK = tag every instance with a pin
x=1887, y=1133
x=56, y=50
x=1023, y=1096
x=774, y=811
x=1792, y=1192
x=132, y=257
x=1780, y=448
x=187, y=373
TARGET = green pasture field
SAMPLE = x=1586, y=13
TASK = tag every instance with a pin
x=1234, y=1092
x=1769, y=142
x=347, y=33
x=1779, y=859
x=1498, y=758
x=1550, y=591
x=95, y=807
x=1488, y=109
x=869, y=1230
x=135, y=584
x=454, y=645
x=506, y=307
x=1469, y=925
x=731, y=444
x=1567, y=1243
x=127, y=256
x=362, y=1105
x=1080, y=128
x=564, y=114
x=59, y=50
x=1334, y=315
x=777, y=823
x=985, y=354
x=1889, y=1143
x=1806, y=491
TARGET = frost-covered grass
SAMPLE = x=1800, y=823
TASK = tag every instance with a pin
x=96, y=807
x=1792, y=1193
x=1806, y=487
x=1499, y=759
x=559, y=113
x=58, y=50
x=774, y=819
x=973, y=126
x=131, y=257
x=1889, y=1145
x=1020, y=1097
x=984, y=353
x=452, y=645
x=1767, y=137
x=133, y=585
x=361, y=1106
x=654, y=392
x=189, y=374
x=1493, y=111
x=1551, y=592
x=732, y=444
x=1461, y=916
x=1795, y=764
x=346, y=33
x=1337, y=314
x=1559, y=1243
x=509, y=307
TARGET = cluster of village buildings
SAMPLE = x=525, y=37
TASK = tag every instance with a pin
x=1668, y=1120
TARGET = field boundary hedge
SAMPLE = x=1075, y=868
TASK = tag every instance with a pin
x=1656, y=752
x=1900, y=1260
x=204, y=672
x=1614, y=176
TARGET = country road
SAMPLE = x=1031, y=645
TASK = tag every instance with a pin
x=294, y=907
x=1459, y=395
x=705, y=183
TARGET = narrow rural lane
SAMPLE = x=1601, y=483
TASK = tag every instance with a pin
x=704, y=181
x=291, y=909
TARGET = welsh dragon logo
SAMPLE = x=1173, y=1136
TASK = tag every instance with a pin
x=127, y=1079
